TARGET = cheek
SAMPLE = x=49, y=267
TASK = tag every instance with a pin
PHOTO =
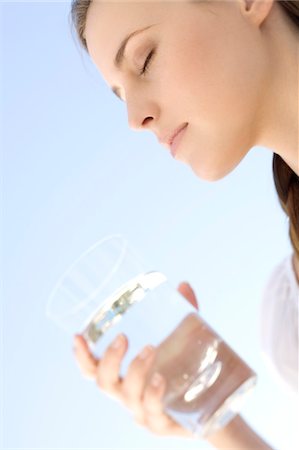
x=221, y=95
x=218, y=76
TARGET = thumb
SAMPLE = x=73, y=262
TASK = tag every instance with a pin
x=186, y=290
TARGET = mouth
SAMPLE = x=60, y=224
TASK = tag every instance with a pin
x=176, y=139
x=169, y=138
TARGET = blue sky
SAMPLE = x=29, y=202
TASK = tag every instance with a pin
x=73, y=172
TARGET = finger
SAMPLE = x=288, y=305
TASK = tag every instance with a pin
x=163, y=425
x=107, y=375
x=155, y=417
x=134, y=382
x=86, y=360
x=152, y=399
x=186, y=290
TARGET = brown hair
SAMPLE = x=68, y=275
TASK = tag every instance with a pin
x=285, y=179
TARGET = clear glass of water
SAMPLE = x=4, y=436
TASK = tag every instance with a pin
x=109, y=290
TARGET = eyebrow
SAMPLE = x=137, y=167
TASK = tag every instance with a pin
x=118, y=60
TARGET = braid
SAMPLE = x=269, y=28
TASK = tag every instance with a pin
x=287, y=186
x=285, y=179
x=292, y=9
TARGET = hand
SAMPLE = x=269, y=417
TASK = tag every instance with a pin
x=144, y=403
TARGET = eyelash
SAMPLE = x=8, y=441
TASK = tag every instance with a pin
x=147, y=61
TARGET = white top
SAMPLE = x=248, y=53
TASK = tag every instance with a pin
x=279, y=323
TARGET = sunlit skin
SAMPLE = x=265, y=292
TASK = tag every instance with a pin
x=230, y=70
x=216, y=66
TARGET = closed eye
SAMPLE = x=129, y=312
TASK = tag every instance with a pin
x=142, y=71
x=147, y=62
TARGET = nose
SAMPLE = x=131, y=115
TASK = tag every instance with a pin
x=142, y=113
x=140, y=125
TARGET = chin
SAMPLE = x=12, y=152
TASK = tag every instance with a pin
x=215, y=172
x=211, y=175
x=210, y=166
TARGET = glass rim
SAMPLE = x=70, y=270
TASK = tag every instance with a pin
x=67, y=271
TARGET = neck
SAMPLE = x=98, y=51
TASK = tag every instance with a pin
x=278, y=116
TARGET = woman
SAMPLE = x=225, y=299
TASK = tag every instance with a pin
x=232, y=67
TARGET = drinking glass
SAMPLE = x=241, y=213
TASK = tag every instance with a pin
x=109, y=290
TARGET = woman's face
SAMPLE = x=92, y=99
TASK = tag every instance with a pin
x=209, y=69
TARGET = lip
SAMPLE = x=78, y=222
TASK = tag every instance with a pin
x=169, y=139
x=176, y=139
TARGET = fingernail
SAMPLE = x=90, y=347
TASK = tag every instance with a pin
x=156, y=380
x=146, y=352
x=118, y=342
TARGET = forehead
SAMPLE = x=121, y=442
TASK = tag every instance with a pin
x=109, y=22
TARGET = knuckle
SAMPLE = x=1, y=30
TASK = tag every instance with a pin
x=100, y=382
x=152, y=402
x=130, y=398
x=105, y=384
x=105, y=387
x=126, y=393
x=144, y=357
